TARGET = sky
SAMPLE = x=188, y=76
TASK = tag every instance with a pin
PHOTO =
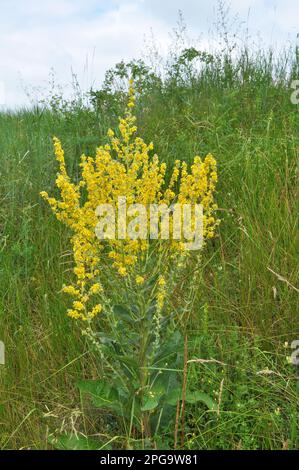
x=89, y=36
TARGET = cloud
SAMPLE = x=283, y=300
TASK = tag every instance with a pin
x=67, y=34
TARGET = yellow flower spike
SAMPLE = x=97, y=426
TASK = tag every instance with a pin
x=59, y=153
x=161, y=299
x=125, y=167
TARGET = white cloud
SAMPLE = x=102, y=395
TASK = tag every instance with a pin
x=63, y=34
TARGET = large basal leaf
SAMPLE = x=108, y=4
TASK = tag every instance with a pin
x=72, y=442
x=173, y=348
x=195, y=397
x=191, y=397
x=123, y=313
x=103, y=394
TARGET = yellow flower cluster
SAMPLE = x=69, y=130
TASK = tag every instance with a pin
x=139, y=280
x=161, y=294
x=122, y=167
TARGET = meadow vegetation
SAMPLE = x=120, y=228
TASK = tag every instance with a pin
x=234, y=103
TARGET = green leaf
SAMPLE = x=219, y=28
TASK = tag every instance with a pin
x=130, y=366
x=149, y=403
x=123, y=313
x=103, y=394
x=152, y=396
x=191, y=397
x=173, y=347
x=72, y=442
x=104, y=339
x=173, y=396
x=195, y=397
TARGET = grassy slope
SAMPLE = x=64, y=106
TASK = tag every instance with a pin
x=245, y=314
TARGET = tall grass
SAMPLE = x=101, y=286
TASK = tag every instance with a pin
x=236, y=105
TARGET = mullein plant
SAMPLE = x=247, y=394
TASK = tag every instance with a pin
x=133, y=297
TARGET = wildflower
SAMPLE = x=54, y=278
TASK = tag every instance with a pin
x=73, y=314
x=122, y=271
x=95, y=289
x=139, y=280
x=95, y=311
x=78, y=305
x=124, y=167
x=71, y=291
x=80, y=272
x=161, y=281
